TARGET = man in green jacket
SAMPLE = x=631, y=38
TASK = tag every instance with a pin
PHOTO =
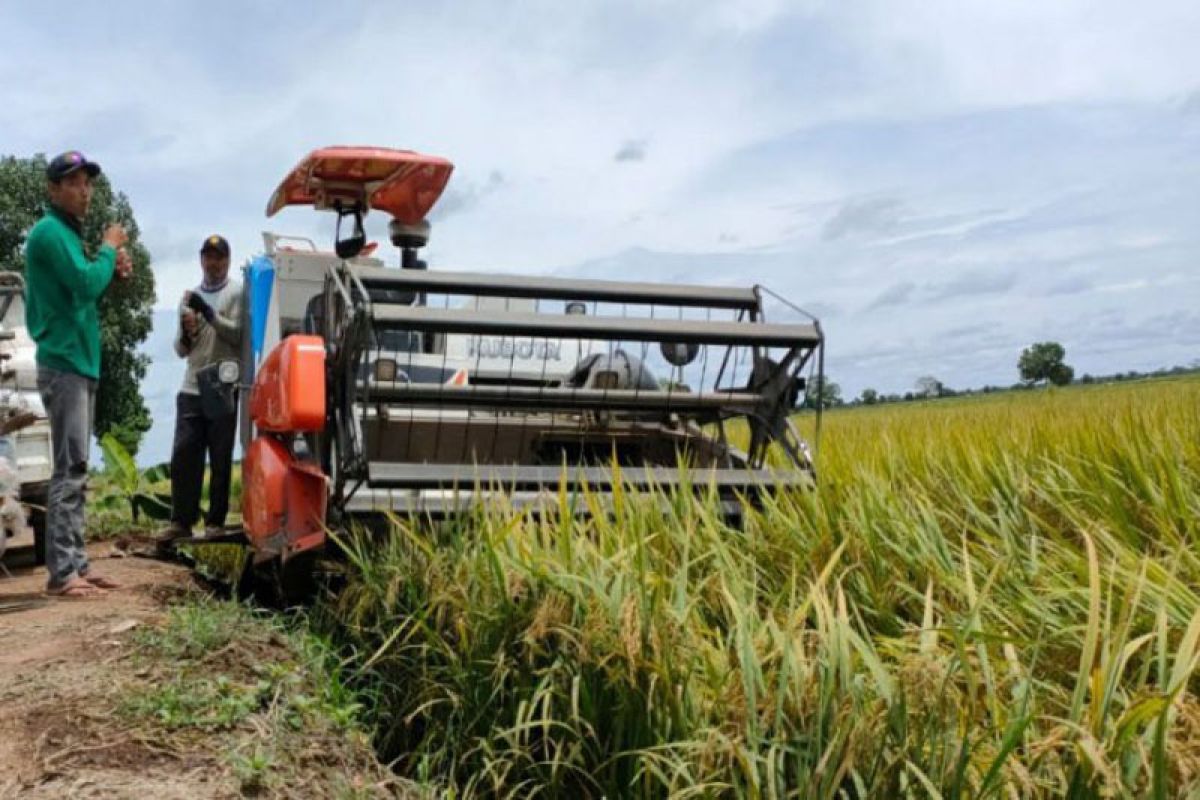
x=62, y=287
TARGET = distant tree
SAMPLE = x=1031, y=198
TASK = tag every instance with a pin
x=929, y=386
x=124, y=308
x=869, y=397
x=1043, y=362
x=908, y=396
x=823, y=393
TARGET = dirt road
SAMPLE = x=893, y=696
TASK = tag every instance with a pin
x=160, y=690
x=60, y=661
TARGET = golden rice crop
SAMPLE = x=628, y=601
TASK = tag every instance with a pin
x=994, y=596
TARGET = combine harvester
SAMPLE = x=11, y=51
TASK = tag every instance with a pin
x=377, y=389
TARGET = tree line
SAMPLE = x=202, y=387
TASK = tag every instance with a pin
x=1040, y=364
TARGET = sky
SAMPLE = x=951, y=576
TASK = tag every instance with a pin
x=941, y=182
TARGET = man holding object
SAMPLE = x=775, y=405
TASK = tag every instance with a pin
x=209, y=334
x=62, y=287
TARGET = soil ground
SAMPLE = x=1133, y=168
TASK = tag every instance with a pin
x=65, y=666
x=59, y=660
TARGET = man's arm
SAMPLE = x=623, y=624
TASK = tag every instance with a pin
x=228, y=325
x=183, y=342
x=86, y=280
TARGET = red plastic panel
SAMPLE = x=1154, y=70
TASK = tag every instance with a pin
x=283, y=501
x=289, y=390
x=403, y=183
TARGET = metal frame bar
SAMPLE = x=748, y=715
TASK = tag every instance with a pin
x=760, y=290
x=521, y=477
x=563, y=399
x=438, y=504
x=454, y=320
x=482, y=284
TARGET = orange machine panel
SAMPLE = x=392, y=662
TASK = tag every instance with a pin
x=283, y=501
x=402, y=183
x=289, y=390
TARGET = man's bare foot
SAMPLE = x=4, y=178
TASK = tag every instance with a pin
x=76, y=588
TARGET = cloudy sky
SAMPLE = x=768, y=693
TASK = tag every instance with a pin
x=942, y=182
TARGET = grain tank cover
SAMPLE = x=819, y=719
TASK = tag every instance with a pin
x=402, y=183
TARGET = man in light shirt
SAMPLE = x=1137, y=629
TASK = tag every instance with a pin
x=210, y=332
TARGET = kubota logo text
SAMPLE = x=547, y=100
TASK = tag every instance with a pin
x=524, y=349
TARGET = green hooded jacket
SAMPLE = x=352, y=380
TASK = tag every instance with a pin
x=61, y=290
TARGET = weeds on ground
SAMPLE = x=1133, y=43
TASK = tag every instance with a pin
x=256, y=771
x=204, y=703
x=200, y=627
x=288, y=724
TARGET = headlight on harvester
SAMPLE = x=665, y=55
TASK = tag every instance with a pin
x=229, y=372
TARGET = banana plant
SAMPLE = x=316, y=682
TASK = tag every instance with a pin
x=132, y=485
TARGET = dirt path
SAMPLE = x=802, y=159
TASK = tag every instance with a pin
x=160, y=690
x=59, y=661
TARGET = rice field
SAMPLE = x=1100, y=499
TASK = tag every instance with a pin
x=986, y=597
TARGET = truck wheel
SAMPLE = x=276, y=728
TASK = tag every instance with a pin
x=35, y=497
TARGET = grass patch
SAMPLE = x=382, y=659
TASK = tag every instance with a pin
x=201, y=627
x=204, y=703
x=269, y=699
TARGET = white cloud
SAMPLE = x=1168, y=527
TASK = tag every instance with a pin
x=1026, y=52
x=870, y=216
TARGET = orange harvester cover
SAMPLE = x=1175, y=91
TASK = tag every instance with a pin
x=403, y=183
x=289, y=390
x=283, y=501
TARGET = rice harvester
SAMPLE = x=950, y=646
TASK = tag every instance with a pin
x=378, y=388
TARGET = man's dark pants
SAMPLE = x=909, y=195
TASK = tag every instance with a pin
x=70, y=402
x=195, y=435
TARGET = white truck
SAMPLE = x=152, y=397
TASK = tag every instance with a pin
x=24, y=429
